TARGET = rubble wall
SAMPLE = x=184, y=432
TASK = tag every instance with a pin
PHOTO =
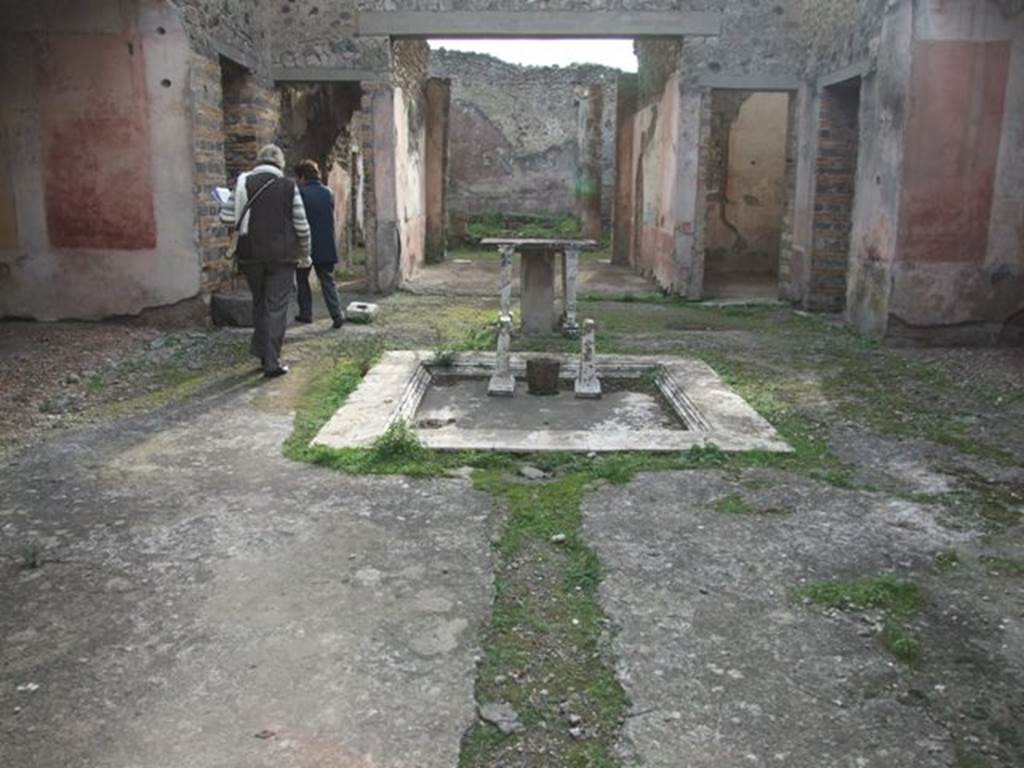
x=513, y=134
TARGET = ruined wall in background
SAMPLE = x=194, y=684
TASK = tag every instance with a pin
x=513, y=134
x=98, y=139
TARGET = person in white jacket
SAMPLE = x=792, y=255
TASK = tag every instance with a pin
x=273, y=239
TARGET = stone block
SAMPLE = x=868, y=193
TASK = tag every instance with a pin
x=361, y=312
x=232, y=308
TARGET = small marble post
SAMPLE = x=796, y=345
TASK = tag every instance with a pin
x=503, y=383
x=505, y=280
x=587, y=383
x=572, y=265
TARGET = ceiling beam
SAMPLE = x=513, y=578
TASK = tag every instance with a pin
x=537, y=24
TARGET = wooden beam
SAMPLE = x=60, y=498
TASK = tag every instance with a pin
x=537, y=24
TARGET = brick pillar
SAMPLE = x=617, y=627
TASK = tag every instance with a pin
x=210, y=172
x=622, y=223
x=588, y=183
x=438, y=95
x=836, y=173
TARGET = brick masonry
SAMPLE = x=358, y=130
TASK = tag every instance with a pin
x=210, y=171
x=835, y=176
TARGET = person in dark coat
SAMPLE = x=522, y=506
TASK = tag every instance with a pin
x=319, y=203
x=273, y=236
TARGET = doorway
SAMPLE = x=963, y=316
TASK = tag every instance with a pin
x=745, y=193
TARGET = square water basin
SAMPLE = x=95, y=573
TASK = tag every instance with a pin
x=650, y=403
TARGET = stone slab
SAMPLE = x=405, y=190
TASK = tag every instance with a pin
x=361, y=312
x=233, y=309
x=537, y=297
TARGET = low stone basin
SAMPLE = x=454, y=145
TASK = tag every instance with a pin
x=651, y=403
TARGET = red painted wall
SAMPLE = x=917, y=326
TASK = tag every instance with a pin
x=96, y=143
x=957, y=99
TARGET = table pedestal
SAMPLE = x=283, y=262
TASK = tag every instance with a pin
x=538, y=292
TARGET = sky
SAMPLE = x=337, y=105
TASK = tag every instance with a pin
x=610, y=53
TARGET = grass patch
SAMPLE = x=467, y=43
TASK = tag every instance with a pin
x=1002, y=566
x=900, y=643
x=544, y=652
x=947, y=560
x=897, y=597
x=733, y=504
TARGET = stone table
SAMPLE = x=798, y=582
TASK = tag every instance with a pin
x=537, y=294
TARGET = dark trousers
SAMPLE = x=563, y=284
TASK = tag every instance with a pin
x=325, y=274
x=271, y=286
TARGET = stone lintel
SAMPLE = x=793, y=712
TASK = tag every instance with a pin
x=751, y=82
x=326, y=75
x=237, y=55
x=608, y=24
x=857, y=69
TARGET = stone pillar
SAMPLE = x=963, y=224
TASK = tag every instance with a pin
x=438, y=95
x=383, y=239
x=538, y=292
x=572, y=268
x=505, y=279
x=622, y=216
x=588, y=181
x=587, y=383
x=503, y=383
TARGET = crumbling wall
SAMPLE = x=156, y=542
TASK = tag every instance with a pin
x=514, y=134
x=100, y=209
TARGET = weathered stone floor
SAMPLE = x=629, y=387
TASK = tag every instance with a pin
x=205, y=602
x=724, y=667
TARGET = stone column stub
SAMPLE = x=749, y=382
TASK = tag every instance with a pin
x=588, y=385
x=503, y=383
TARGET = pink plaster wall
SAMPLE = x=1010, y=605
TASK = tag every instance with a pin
x=957, y=97
x=95, y=138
